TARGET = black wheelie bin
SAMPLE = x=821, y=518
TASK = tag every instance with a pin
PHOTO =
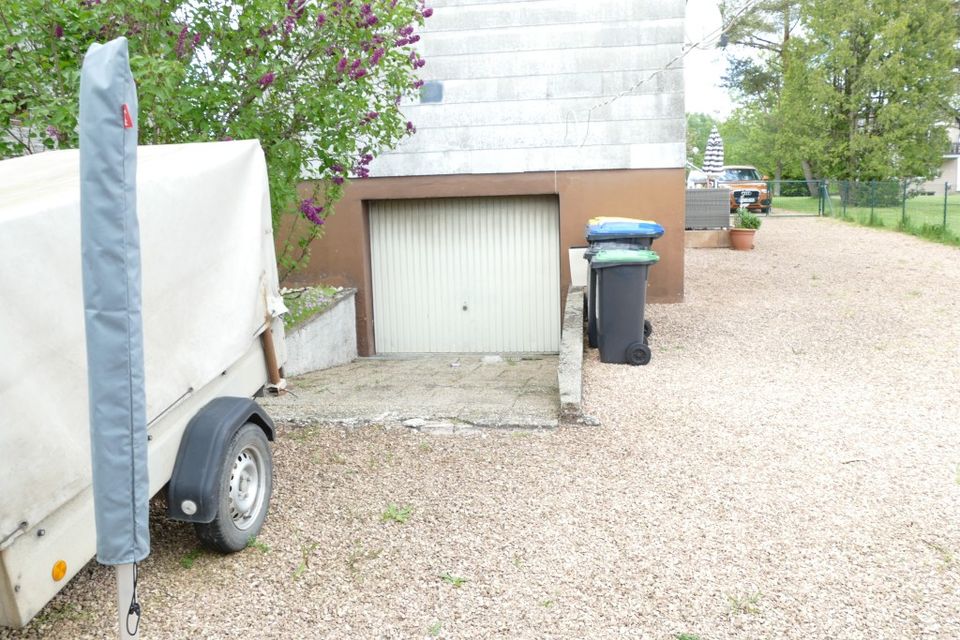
x=621, y=293
x=614, y=233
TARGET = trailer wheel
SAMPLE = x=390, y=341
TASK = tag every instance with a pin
x=245, y=485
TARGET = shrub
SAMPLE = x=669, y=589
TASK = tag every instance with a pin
x=319, y=84
x=746, y=220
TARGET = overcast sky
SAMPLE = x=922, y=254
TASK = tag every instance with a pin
x=704, y=66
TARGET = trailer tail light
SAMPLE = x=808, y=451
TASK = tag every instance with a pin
x=59, y=570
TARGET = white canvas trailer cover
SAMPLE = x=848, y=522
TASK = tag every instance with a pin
x=209, y=283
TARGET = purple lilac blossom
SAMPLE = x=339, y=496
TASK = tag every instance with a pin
x=181, y=41
x=297, y=7
x=362, y=169
x=55, y=133
x=311, y=211
x=267, y=79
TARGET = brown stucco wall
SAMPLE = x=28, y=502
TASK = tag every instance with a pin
x=342, y=256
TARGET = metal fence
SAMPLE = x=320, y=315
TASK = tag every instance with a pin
x=894, y=204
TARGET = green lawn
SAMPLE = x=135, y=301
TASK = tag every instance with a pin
x=923, y=215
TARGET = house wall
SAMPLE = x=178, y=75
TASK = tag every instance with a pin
x=583, y=100
x=342, y=256
x=949, y=167
x=535, y=85
x=949, y=172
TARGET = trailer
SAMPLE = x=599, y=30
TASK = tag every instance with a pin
x=213, y=340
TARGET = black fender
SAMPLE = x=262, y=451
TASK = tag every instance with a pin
x=202, y=447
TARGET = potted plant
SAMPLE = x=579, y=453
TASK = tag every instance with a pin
x=745, y=225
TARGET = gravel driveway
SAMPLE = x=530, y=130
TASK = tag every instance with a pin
x=788, y=466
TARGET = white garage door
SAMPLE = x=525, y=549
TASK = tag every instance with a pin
x=467, y=275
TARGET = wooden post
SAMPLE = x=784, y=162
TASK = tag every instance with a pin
x=270, y=355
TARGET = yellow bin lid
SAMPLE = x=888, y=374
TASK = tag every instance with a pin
x=602, y=219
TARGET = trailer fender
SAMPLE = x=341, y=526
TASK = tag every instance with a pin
x=193, y=485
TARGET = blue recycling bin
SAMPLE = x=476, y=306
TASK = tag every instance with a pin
x=617, y=233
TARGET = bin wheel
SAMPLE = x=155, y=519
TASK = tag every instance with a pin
x=647, y=329
x=638, y=354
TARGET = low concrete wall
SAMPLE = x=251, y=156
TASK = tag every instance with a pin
x=707, y=239
x=570, y=367
x=326, y=340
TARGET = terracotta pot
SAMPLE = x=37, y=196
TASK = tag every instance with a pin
x=742, y=239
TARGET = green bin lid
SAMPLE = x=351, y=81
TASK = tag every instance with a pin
x=609, y=257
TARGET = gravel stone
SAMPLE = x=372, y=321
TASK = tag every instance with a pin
x=787, y=466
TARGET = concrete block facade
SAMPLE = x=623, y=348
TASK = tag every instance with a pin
x=535, y=85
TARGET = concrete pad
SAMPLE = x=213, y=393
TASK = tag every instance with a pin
x=445, y=393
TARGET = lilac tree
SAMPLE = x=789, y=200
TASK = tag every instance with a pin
x=317, y=82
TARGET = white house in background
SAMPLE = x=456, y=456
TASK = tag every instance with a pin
x=950, y=167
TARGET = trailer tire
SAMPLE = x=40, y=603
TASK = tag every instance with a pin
x=245, y=484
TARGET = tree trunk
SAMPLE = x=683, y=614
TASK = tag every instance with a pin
x=808, y=174
x=777, y=177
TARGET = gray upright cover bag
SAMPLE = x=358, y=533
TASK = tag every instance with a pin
x=111, y=294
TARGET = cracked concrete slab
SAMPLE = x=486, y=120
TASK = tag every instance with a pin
x=445, y=393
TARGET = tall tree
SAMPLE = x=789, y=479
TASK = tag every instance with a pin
x=868, y=101
x=748, y=139
x=764, y=30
